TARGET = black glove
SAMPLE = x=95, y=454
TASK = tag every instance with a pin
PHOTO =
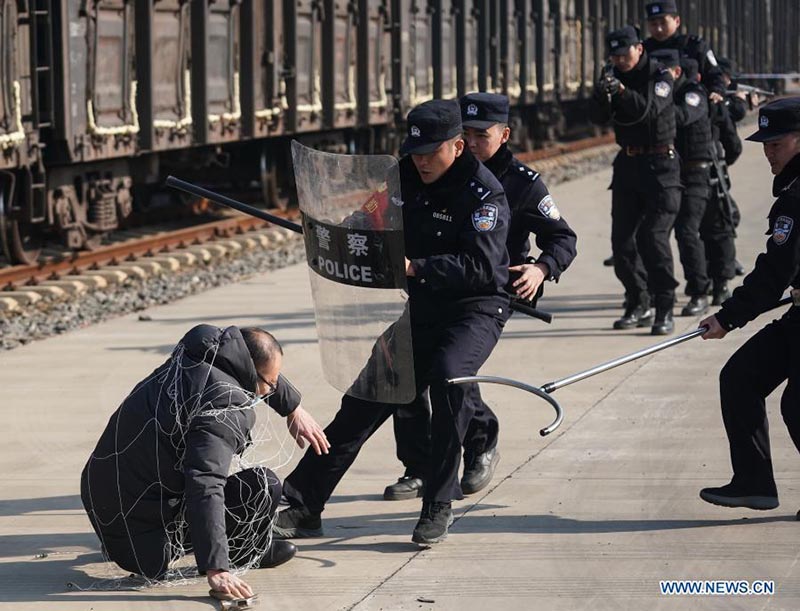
x=611, y=85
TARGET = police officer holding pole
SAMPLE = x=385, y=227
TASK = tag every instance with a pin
x=635, y=94
x=456, y=221
x=533, y=211
x=771, y=356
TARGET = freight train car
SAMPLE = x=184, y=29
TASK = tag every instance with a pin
x=100, y=99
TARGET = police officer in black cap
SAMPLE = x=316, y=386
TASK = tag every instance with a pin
x=771, y=356
x=456, y=221
x=533, y=210
x=693, y=141
x=637, y=97
x=736, y=101
x=664, y=22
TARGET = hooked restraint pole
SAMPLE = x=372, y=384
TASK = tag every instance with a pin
x=545, y=390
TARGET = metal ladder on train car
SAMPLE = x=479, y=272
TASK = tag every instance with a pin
x=41, y=17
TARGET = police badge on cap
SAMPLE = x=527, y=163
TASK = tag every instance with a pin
x=430, y=124
x=777, y=119
x=664, y=7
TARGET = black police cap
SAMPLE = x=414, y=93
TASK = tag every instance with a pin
x=482, y=110
x=728, y=66
x=670, y=58
x=430, y=124
x=664, y=7
x=777, y=119
x=619, y=41
x=690, y=67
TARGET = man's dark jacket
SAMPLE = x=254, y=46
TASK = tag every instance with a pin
x=169, y=446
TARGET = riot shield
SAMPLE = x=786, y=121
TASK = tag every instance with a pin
x=353, y=232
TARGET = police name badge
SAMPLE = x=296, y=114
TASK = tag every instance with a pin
x=485, y=217
x=662, y=89
x=782, y=229
x=548, y=208
x=692, y=99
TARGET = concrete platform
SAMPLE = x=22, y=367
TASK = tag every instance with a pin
x=593, y=517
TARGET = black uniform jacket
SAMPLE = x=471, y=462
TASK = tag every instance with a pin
x=169, y=447
x=455, y=236
x=725, y=132
x=533, y=211
x=644, y=111
x=694, y=47
x=779, y=266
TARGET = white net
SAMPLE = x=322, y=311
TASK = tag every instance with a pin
x=146, y=518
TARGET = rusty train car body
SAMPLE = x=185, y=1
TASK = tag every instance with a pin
x=100, y=99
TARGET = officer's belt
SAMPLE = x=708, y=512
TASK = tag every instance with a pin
x=633, y=151
x=696, y=165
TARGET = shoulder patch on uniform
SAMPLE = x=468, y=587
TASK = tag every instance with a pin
x=711, y=59
x=548, y=208
x=692, y=99
x=782, y=229
x=485, y=217
x=480, y=190
x=663, y=89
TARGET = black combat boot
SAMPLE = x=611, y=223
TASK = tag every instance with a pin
x=433, y=523
x=663, y=324
x=478, y=471
x=297, y=523
x=720, y=292
x=407, y=487
x=698, y=304
x=635, y=316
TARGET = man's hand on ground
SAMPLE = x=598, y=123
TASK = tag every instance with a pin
x=302, y=426
x=228, y=583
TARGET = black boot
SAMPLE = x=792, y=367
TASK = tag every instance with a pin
x=478, y=471
x=433, y=523
x=663, y=324
x=720, y=292
x=698, y=304
x=297, y=523
x=407, y=487
x=740, y=271
x=609, y=262
x=636, y=316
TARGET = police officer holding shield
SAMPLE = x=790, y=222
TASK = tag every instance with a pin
x=456, y=221
x=771, y=356
x=636, y=96
x=533, y=211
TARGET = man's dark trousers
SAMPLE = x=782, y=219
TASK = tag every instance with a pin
x=644, y=204
x=755, y=370
x=696, y=192
x=455, y=345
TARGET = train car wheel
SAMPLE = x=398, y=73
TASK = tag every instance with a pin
x=23, y=241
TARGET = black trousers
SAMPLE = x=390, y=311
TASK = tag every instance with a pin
x=151, y=543
x=412, y=433
x=755, y=370
x=718, y=233
x=645, y=199
x=454, y=347
x=696, y=192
